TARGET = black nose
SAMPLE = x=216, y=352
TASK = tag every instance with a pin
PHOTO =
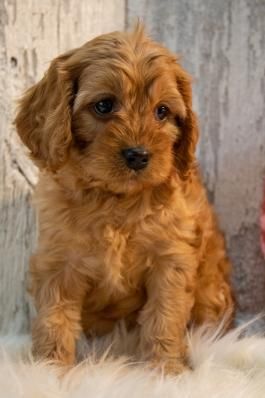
x=136, y=158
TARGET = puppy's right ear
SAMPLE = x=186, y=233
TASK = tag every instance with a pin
x=185, y=147
x=43, y=121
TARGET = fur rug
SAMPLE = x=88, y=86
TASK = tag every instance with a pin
x=231, y=366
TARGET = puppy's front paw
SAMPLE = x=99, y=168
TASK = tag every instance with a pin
x=54, y=354
x=170, y=366
x=56, y=345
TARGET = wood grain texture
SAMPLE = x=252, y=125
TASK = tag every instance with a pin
x=222, y=44
x=32, y=33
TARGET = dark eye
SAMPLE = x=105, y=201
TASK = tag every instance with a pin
x=104, y=106
x=162, y=112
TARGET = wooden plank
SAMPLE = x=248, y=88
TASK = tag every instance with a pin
x=32, y=32
x=222, y=44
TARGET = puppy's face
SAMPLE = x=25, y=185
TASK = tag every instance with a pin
x=115, y=112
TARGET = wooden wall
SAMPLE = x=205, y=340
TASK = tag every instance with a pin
x=222, y=44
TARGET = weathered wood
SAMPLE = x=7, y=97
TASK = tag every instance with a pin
x=222, y=44
x=31, y=34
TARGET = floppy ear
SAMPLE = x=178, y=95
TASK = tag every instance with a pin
x=186, y=146
x=43, y=121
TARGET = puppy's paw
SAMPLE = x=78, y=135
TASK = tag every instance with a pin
x=54, y=359
x=175, y=368
x=53, y=354
x=171, y=367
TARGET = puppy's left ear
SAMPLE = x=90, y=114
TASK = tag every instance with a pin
x=186, y=145
x=43, y=121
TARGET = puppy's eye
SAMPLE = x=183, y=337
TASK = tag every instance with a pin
x=104, y=106
x=162, y=112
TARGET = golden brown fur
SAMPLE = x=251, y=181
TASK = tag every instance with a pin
x=117, y=243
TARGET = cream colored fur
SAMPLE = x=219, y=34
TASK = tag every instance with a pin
x=223, y=368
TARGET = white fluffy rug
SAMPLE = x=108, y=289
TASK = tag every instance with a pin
x=227, y=367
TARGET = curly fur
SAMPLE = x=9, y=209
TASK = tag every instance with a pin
x=115, y=243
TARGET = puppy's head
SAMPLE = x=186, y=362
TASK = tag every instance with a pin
x=116, y=113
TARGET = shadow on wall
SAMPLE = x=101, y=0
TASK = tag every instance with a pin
x=249, y=269
x=235, y=189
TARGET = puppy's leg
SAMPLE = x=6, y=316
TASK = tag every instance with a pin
x=55, y=331
x=213, y=295
x=58, y=297
x=163, y=320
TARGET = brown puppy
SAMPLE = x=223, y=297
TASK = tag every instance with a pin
x=125, y=227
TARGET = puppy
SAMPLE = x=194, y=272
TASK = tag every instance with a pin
x=125, y=228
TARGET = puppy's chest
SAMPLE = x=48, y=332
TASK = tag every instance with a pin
x=118, y=257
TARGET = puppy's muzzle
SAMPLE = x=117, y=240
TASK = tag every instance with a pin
x=136, y=158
